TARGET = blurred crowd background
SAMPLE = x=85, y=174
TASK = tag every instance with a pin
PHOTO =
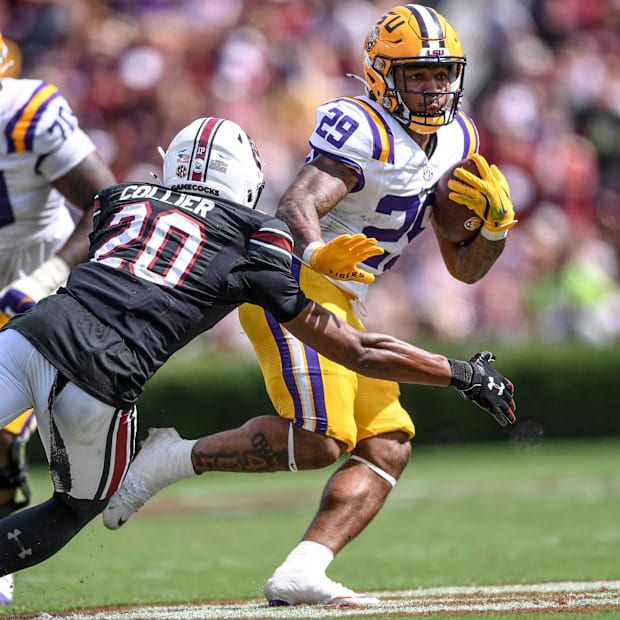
x=542, y=83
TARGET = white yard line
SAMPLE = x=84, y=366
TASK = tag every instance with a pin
x=567, y=596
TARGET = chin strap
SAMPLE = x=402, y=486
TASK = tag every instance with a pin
x=380, y=472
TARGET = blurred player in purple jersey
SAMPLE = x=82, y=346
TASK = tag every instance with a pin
x=46, y=161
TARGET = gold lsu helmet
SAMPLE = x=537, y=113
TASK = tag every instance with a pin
x=406, y=35
x=7, y=57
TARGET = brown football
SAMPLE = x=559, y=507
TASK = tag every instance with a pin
x=453, y=220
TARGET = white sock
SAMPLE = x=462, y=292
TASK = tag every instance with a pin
x=309, y=555
x=181, y=455
x=174, y=463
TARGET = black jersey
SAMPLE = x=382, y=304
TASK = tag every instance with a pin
x=163, y=267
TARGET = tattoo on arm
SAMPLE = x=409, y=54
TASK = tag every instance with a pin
x=260, y=458
x=317, y=189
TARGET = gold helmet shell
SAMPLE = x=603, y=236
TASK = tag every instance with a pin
x=406, y=35
x=8, y=56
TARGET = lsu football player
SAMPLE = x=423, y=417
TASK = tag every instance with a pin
x=370, y=174
x=46, y=161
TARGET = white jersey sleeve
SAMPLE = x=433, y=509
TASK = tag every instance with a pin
x=350, y=132
x=44, y=124
x=40, y=141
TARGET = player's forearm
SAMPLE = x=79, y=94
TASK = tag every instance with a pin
x=372, y=354
x=318, y=187
x=75, y=249
x=473, y=261
x=79, y=186
x=385, y=357
x=301, y=217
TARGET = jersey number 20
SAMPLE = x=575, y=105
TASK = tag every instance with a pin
x=160, y=248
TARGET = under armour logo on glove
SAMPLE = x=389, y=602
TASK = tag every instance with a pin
x=500, y=386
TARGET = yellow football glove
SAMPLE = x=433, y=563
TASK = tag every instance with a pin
x=338, y=259
x=488, y=196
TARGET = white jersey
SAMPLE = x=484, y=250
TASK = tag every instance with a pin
x=40, y=141
x=395, y=176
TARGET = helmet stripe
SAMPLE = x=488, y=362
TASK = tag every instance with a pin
x=429, y=24
x=202, y=148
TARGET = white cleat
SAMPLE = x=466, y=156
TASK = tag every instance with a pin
x=6, y=590
x=163, y=459
x=306, y=589
x=132, y=495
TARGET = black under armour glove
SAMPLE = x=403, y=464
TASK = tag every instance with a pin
x=477, y=380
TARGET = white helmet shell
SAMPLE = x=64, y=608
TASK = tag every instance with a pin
x=214, y=158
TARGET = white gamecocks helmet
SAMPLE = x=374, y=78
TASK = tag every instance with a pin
x=215, y=158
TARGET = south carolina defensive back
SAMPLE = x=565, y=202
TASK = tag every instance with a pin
x=174, y=265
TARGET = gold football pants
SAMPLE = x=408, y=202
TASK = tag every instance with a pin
x=312, y=391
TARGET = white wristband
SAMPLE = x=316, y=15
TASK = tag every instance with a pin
x=493, y=236
x=44, y=280
x=305, y=257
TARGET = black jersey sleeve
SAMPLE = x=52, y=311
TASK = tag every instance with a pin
x=266, y=279
x=275, y=290
x=271, y=245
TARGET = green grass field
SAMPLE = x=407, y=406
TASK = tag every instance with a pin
x=475, y=514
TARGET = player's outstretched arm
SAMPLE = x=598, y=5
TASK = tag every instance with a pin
x=385, y=357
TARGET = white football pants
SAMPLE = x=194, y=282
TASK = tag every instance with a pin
x=88, y=444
